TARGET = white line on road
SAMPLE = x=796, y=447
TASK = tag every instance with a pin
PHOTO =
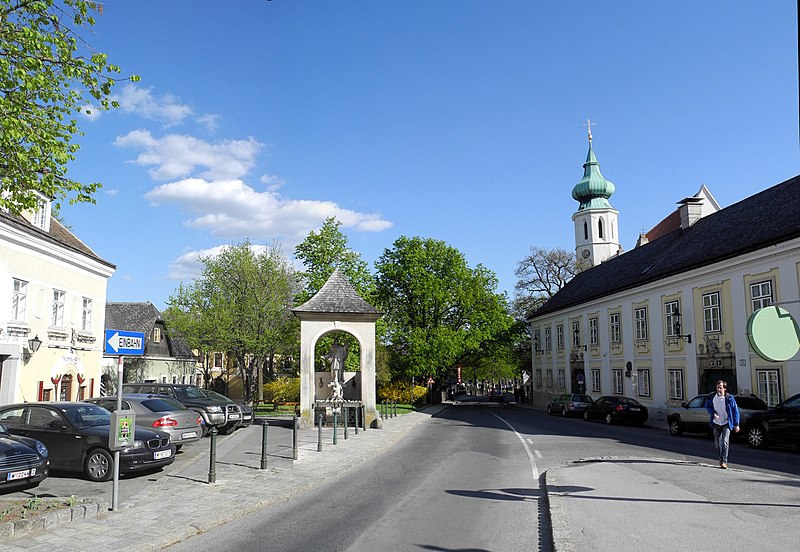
x=538, y=454
x=534, y=469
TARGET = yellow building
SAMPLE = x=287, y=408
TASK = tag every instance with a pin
x=51, y=310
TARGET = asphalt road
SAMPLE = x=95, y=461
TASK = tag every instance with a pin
x=464, y=481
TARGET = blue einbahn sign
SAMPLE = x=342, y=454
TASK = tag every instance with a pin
x=121, y=342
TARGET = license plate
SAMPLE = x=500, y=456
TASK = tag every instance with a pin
x=162, y=454
x=233, y=417
x=636, y=409
x=188, y=435
x=21, y=474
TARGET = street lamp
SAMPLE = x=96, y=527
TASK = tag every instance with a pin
x=677, y=325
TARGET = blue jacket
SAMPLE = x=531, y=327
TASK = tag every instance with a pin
x=730, y=406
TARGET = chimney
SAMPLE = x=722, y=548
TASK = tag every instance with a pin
x=691, y=210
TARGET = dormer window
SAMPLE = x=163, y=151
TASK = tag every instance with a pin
x=40, y=216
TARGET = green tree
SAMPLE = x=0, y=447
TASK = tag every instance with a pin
x=240, y=305
x=48, y=74
x=438, y=309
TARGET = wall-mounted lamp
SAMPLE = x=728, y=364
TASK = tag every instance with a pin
x=536, y=348
x=676, y=314
x=33, y=346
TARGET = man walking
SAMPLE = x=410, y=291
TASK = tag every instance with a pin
x=724, y=418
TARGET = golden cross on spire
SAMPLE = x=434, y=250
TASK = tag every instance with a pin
x=588, y=126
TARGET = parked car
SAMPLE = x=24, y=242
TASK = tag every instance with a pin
x=568, y=403
x=692, y=416
x=23, y=461
x=779, y=425
x=247, y=414
x=616, y=409
x=76, y=437
x=215, y=409
x=160, y=413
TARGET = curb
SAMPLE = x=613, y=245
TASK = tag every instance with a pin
x=48, y=520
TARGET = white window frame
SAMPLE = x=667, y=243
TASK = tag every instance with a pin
x=675, y=384
x=640, y=314
x=19, y=300
x=614, y=334
x=769, y=385
x=562, y=379
x=593, y=331
x=157, y=336
x=576, y=334
x=549, y=376
x=86, y=315
x=616, y=381
x=548, y=339
x=643, y=382
x=57, y=315
x=712, y=315
x=761, y=295
x=538, y=378
x=595, y=374
x=560, y=336
x=669, y=318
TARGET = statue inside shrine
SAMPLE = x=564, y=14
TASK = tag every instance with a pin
x=336, y=356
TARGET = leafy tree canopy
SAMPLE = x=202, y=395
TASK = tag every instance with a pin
x=48, y=74
x=325, y=250
x=240, y=305
x=438, y=309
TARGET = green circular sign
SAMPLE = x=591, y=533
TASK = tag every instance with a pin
x=773, y=334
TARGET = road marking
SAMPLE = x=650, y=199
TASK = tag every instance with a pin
x=538, y=454
x=534, y=469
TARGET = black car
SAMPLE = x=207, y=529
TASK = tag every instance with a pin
x=779, y=425
x=76, y=436
x=616, y=409
x=23, y=461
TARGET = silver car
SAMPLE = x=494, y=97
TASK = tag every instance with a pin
x=692, y=416
x=159, y=413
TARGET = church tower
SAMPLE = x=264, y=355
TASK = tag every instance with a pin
x=596, y=230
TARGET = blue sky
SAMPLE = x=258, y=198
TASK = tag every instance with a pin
x=462, y=121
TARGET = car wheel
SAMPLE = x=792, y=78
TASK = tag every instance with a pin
x=675, y=428
x=98, y=465
x=549, y=410
x=564, y=411
x=586, y=415
x=609, y=419
x=756, y=436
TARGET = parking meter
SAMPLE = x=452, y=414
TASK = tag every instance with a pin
x=122, y=434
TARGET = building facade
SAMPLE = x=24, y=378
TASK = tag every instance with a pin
x=51, y=329
x=663, y=322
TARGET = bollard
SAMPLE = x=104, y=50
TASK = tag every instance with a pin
x=358, y=411
x=364, y=418
x=264, y=430
x=394, y=405
x=335, y=423
x=294, y=437
x=212, y=468
x=346, y=420
x=319, y=435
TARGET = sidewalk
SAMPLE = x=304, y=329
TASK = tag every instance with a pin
x=633, y=504
x=183, y=503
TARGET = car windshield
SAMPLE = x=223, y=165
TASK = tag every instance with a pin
x=87, y=415
x=3, y=429
x=214, y=396
x=189, y=392
x=162, y=405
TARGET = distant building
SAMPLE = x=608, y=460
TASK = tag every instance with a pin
x=51, y=309
x=166, y=359
x=664, y=321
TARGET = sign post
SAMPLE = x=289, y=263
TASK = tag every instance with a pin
x=123, y=430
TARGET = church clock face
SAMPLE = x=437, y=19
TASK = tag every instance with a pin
x=585, y=253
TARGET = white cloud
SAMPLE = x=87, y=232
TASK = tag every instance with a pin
x=189, y=267
x=140, y=101
x=178, y=155
x=230, y=208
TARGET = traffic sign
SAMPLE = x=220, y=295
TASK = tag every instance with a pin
x=121, y=342
x=430, y=381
